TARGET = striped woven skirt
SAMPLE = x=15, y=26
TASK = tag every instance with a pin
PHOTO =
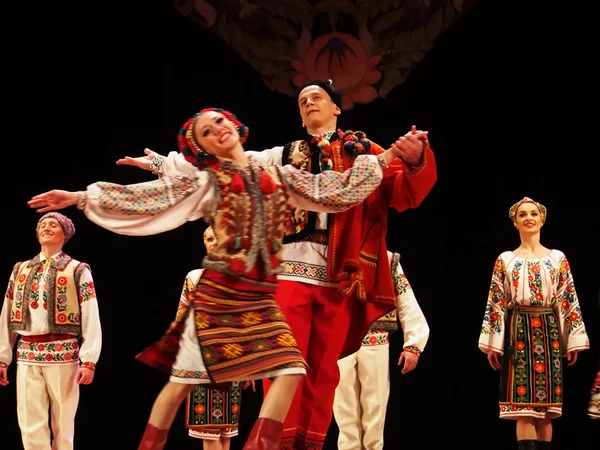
x=531, y=377
x=233, y=331
x=594, y=408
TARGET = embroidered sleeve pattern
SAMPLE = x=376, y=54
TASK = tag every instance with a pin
x=573, y=328
x=149, y=198
x=86, y=291
x=413, y=349
x=89, y=365
x=333, y=190
x=401, y=283
x=493, y=320
x=492, y=329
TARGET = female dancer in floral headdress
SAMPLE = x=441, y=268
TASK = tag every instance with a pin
x=533, y=318
x=235, y=331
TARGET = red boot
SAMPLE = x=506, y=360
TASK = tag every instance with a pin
x=153, y=439
x=265, y=435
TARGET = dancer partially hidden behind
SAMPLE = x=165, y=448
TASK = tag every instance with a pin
x=212, y=415
x=236, y=331
x=533, y=319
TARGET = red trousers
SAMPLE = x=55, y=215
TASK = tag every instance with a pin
x=319, y=318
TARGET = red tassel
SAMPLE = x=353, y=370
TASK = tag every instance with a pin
x=274, y=262
x=237, y=184
x=237, y=265
x=266, y=184
x=245, y=243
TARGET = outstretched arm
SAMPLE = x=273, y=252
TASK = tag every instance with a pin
x=332, y=191
x=137, y=209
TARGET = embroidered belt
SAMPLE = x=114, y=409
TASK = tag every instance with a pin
x=318, y=237
x=535, y=309
x=49, y=337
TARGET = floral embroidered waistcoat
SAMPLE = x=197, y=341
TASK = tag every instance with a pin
x=249, y=220
x=62, y=281
x=302, y=223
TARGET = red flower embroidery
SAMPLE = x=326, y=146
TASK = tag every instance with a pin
x=61, y=318
x=62, y=281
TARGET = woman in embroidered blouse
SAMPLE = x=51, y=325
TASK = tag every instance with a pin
x=594, y=406
x=532, y=318
x=236, y=331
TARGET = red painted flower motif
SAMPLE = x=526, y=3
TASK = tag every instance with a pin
x=62, y=281
x=61, y=318
x=34, y=305
x=342, y=58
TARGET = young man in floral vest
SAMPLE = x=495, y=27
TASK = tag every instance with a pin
x=331, y=273
x=49, y=309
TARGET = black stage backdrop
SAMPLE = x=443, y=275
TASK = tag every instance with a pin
x=506, y=94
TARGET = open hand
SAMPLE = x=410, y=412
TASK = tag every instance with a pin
x=410, y=360
x=53, y=200
x=494, y=359
x=143, y=162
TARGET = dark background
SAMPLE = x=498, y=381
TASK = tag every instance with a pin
x=506, y=94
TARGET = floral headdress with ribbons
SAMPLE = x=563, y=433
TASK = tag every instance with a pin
x=191, y=149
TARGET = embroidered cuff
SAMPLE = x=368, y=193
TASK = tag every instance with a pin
x=3, y=364
x=82, y=201
x=413, y=349
x=89, y=365
x=381, y=161
x=156, y=164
